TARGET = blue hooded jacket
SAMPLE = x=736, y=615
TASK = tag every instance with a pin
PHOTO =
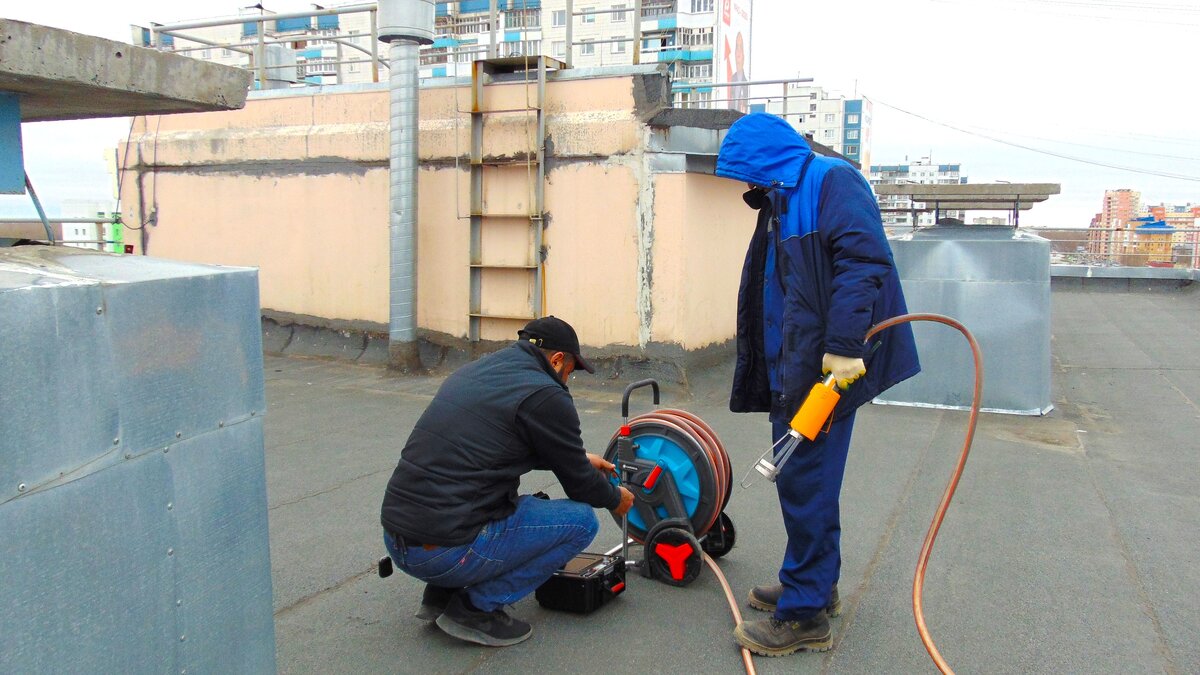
x=818, y=274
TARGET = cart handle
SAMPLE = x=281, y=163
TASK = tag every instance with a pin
x=629, y=390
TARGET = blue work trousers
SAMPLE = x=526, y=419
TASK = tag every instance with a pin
x=509, y=558
x=809, y=485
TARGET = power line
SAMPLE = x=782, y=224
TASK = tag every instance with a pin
x=1190, y=158
x=1122, y=14
x=1118, y=167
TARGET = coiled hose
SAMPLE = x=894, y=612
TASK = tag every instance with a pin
x=938, y=516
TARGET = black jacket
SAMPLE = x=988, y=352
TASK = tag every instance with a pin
x=492, y=421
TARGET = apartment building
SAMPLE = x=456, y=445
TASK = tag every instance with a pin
x=704, y=42
x=837, y=122
x=297, y=51
x=897, y=212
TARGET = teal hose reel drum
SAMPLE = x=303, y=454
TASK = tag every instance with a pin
x=681, y=479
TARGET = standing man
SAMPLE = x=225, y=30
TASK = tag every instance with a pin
x=451, y=514
x=818, y=274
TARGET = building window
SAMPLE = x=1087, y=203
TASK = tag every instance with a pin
x=852, y=118
x=813, y=96
x=587, y=48
x=225, y=53
x=559, y=18
x=829, y=133
x=702, y=6
x=618, y=47
x=851, y=150
x=205, y=54
x=588, y=17
x=696, y=37
x=812, y=107
x=560, y=48
x=829, y=118
x=618, y=17
x=852, y=134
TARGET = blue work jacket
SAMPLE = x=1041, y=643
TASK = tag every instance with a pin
x=818, y=274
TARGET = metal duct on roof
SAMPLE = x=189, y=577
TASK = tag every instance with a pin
x=133, y=505
x=996, y=281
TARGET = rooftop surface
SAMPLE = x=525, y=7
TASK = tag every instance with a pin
x=1070, y=547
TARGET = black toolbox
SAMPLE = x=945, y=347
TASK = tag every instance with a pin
x=585, y=583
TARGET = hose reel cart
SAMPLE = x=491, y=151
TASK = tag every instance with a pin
x=681, y=479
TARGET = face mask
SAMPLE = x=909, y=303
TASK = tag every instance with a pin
x=755, y=198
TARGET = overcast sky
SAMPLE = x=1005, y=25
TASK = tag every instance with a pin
x=1112, y=82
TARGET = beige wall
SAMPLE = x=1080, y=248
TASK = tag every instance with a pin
x=702, y=228
x=298, y=186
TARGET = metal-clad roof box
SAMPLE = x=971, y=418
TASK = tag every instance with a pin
x=133, y=504
x=996, y=281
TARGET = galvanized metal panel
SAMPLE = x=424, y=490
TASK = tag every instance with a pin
x=997, y=283
x=144, y=378
x=188, y=354
x=58, y=404
x=223, y=562
x=87, y=581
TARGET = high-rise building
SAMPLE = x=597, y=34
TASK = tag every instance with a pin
x=1107, y=232
x=704, y=42
x=832, y=120
x=897, y=211
x=1120, y=207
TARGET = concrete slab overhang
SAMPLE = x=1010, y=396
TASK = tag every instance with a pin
x=687, y=140
x=971, y=196
x=61, y=75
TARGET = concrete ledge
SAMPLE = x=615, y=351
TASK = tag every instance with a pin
x=442, y=354
x=311, y=341
x=1119, y=284
x=62, y=75
x=1089, y=271
x=376, y=351
x=275, y=337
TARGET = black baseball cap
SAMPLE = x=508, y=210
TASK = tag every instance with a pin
x=551, y=332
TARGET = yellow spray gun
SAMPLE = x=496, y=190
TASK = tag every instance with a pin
x=814, y=416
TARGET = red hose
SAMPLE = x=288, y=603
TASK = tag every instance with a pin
x=747, y=657
x=940, y=514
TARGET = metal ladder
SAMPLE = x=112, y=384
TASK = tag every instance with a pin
x=534, y=159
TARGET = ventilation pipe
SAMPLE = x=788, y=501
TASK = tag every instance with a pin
x=405, y=25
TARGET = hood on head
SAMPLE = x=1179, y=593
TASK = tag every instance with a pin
x=762, y=149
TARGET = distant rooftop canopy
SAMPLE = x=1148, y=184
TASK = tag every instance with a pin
x=971, y=196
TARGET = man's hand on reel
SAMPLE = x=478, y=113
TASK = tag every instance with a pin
x=626, y=501
x=602, y=465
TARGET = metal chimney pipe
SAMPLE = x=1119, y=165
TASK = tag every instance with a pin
x=405, y=25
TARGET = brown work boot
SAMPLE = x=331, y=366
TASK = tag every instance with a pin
x=772, y=637
x=766, y=598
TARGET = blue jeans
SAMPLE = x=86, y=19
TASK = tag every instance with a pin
x=809, y=486
x=510, y=558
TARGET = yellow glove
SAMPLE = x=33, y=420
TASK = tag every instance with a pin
x=844, y=368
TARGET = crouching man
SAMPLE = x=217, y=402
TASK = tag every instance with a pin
x=451, y=514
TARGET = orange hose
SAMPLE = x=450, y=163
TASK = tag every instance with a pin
x=747, y=659
x=940, y=514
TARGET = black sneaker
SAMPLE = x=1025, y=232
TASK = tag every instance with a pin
x=772, y=637
x=766, y=598
x=434, y=601
x=492, y=629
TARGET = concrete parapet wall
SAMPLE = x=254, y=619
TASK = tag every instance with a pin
x=297, y=185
